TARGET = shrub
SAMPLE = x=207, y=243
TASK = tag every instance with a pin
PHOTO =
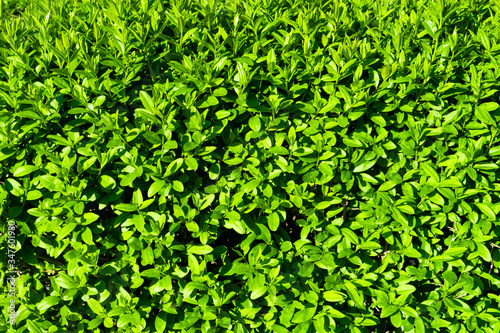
x=250, y=166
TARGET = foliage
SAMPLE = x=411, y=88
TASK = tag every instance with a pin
x=251, y=166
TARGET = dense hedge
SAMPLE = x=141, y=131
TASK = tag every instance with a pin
x=251, y=166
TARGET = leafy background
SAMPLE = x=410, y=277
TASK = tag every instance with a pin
x=251, y=166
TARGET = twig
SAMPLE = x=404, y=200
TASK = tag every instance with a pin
x=51, y=260
x=346, y=204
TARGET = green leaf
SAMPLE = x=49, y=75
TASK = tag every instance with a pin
x=350, y=235
x=271, y=60
x=135, y=243
x=430, y=171
x=388, y=185
x=161, y=321
x=396, y=319
x=458, y=305
x=14, y=187
x=304, y=315
x=273, y=221
x=200, y=249
x=265, y=235
x=364, y=166
x=452, y=182
x=406, y=209
x=147, y=101
x=306, y=269
x=193, y=264
x=233, y=161
x=255, y=123
x=88, y=237
x=126, y=207
x=207, y=201
x=128, y=179
x=66, y=230
x=52, y=183
x=258, y=292
x=450, y=277
x=139, y=222
x=486, y=166
x=486, y=210
x=494, y=151
x=59, y=140
x=251, y=185
x=88, y=218
x=219, y=92
x=214, y=171
x=188, y=321
x=222, y=114
x=155, y=188
x=353, y=293
x=48, y=302
x=24, y=170
x=410, y=311
x=191, y=163
x=388, y=311
x=386, y=72
x=178, y=186
x=148, y=257
x=482, y=113
x=430, y=27
x=455, y=251
x=405, y=288
x=151, y=273
x=419, y=325
x=152, y=137
x=174, y=166
x=334, y=296
x=208, y=101
x=107, y=182
x=379, y=120
x=411, y=252
x=441, y=258
x=335, y=313
x=303, y=151
x=65, y=281
x=95, y=306
x=88, y=163
x=370, y=246
x=94, y=323
x=279, y=329
x=483, y=252
x=323, y=205
x=278, y=150
x=33, y=326
x=123, y=320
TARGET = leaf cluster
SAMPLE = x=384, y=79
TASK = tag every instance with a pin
x=251, y=166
